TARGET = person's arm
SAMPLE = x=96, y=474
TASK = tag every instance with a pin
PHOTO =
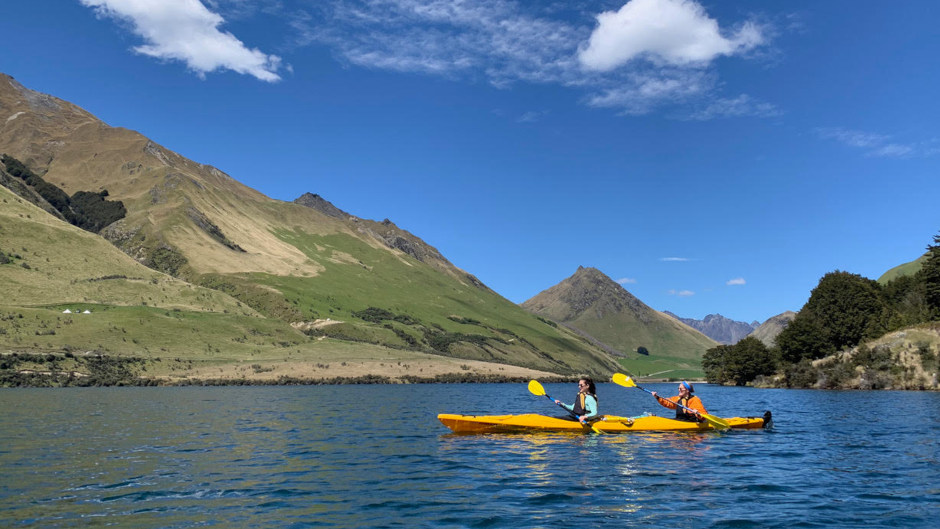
x=565, y=406
x=671, y=404
x=591, y=404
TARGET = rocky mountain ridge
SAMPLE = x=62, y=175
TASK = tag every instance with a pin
x=719, y=328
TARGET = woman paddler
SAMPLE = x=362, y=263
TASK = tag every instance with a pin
x=585, y=403
x=687, y=399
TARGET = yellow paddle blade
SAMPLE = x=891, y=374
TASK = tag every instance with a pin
x=717, y=422
x=623, y=380
x=535, y=388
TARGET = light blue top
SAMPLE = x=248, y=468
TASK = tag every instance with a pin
x=590, y=405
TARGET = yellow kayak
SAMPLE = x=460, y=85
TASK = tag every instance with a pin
x=532, y=422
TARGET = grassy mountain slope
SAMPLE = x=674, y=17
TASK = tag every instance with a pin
x=906, y=269
x=599, y=307
x=767, y=332
x=315, y=279
x=56, y=263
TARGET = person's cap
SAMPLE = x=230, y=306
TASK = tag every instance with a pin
x=687, y=386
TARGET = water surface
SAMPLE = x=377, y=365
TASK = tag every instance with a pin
x=376, y=456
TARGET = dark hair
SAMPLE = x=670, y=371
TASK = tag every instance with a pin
x=592, y=389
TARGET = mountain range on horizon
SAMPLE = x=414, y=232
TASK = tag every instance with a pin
x=719, y=328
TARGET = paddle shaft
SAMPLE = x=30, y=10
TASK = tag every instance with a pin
x=623, y=380
x=562, y=407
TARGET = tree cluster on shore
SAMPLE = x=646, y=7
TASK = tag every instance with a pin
x=844, y=312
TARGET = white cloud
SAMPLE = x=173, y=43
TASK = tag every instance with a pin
x=736, y=281
x=668, y=32
x=626, y=280
x=680, y=293
x=186, y=31
x=674, y=259
x=879, y=145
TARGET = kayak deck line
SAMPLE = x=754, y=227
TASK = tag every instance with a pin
x=532, y=422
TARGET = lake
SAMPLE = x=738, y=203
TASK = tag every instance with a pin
x=376, y=456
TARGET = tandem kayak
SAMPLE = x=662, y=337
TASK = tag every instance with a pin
x=531, y=422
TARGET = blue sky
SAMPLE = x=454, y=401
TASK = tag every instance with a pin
x=713, y=157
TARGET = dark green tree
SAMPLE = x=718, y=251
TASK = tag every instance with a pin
x=930, y=276
x=905, y=302
x=843, y=309
x=803, y=337
x=847, y=306
x=750, y=359
x=738, y=364
x=715, y=364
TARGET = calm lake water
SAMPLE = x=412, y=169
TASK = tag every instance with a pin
x=376, y=456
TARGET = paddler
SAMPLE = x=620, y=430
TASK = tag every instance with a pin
x=585, y=403
x=687, y=399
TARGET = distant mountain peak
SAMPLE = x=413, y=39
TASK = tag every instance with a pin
x=719, y=328
x=587, y=290
x=767, y=332
x=602, y=310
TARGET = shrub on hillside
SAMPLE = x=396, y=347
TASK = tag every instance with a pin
x=89, y=211
x=166, y=260
x=92, y=212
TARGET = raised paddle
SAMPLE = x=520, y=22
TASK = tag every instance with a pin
x=536, y=389
x=717, y=422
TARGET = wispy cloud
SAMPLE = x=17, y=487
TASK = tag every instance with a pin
x=741, y=106
x=614, y=57
x=736, y=281
x=626, y=281
x=880, y=145
x=531, y=116
x=674, y=259
x=680, y=293
x=184, y=30
x=492, y=39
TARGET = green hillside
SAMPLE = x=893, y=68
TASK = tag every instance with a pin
x=231, y=283
x=906, y=269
